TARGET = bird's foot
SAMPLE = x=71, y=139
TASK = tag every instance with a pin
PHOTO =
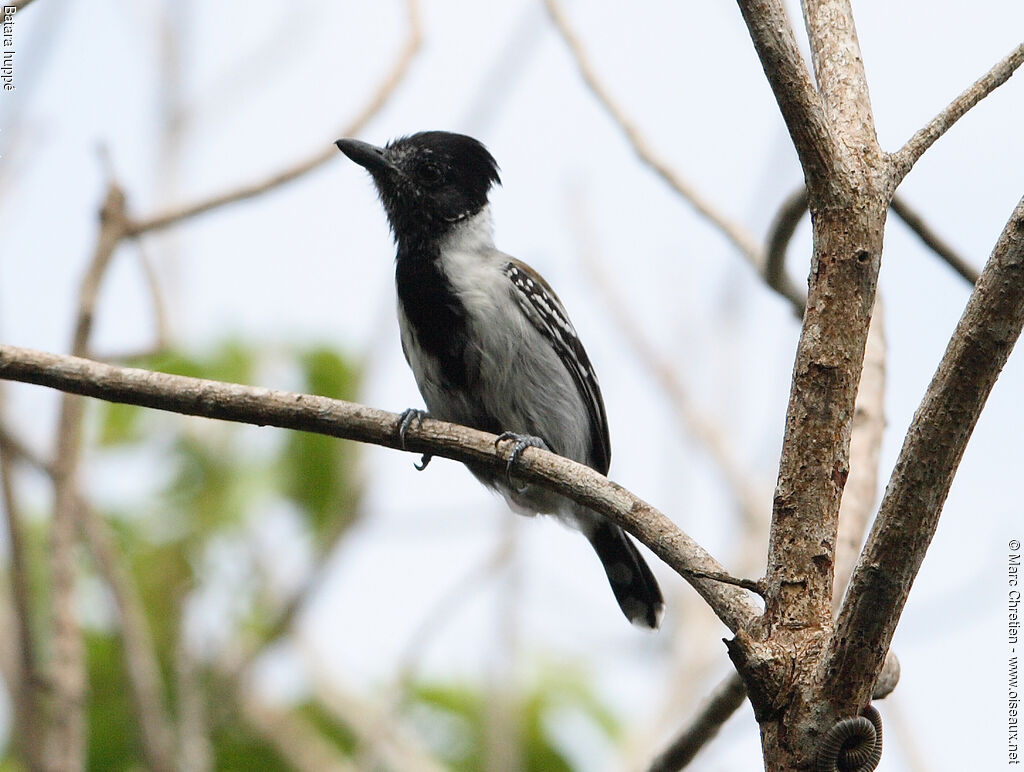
x=521, y=443
x=404, y=422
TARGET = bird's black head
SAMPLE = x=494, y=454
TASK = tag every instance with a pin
x=427, y=181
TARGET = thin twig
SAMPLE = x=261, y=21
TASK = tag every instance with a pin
x=156, y=297
x=710, y=437
x=25, y=688
x=297, y=740
x=780, y=233
x=716, y=710
x=729, y=228
x=752, y=585
x=13, y=444
x=237, y=193
x=903, y=160
x=913, y=220
x=266, y=407
x=66, y=736
x=792, y=210
x=194, y=751
x=142, y=667
x=920, y=481
x=380, y=744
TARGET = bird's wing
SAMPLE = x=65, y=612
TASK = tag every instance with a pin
x=545, y=311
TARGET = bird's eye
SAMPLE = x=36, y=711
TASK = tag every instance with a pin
x=430, y=174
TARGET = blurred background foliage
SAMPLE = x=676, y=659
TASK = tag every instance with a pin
x=177, y=528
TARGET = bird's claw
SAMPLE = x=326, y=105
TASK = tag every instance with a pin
x=521, y=443
x=405, y=421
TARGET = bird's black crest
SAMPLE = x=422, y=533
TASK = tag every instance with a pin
x=463, y=160
x=428, y=181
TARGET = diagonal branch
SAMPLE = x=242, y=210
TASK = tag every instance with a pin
x=732, y=230
x=903, y=160
x=266, y=407
x=25, y=686
x=931, y=452
x=716, y=710
x=693, y=419
x=913, y=220
x=387, y=87
x=142, y=667
x=800, y=104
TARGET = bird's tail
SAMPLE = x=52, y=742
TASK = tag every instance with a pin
x=631, y=579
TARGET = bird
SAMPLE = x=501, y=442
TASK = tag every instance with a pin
x=488, y=341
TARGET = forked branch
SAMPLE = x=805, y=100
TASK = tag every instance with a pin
x=931, y=452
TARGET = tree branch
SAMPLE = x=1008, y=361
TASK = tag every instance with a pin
x=800, y=104
x=791, y=212
x=24, y=688
x=729, y=228
x=380, y=97
x=779, y=235
x=903, y=160
x=693, y=419
x=141, y=665
x=289, y=410
x=842, y=83
x=932, y=240
x=716, y=710
x=861, y=491
x=931, y=452
x=66, y=739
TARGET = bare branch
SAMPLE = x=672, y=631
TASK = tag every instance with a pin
x=842, y=83
x=194, y=751
x=302, y=744
x=142, y=667
x=855, y=514
x=732, y=230
x=791, y=212
x=379, y=743
x=693, y=419
x=716, y=710
x=861, y=491
x=916, y=223
x=779, y=235
x=242, y=192
x=931, y=452
x=799, y=103
x=25, y=685
x=266, y=407
x=13, y=445
x=903, y=160
x=66, y=740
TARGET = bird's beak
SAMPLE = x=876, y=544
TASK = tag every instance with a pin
x=370, y=157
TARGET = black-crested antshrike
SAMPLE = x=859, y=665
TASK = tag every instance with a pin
x=489, y=342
